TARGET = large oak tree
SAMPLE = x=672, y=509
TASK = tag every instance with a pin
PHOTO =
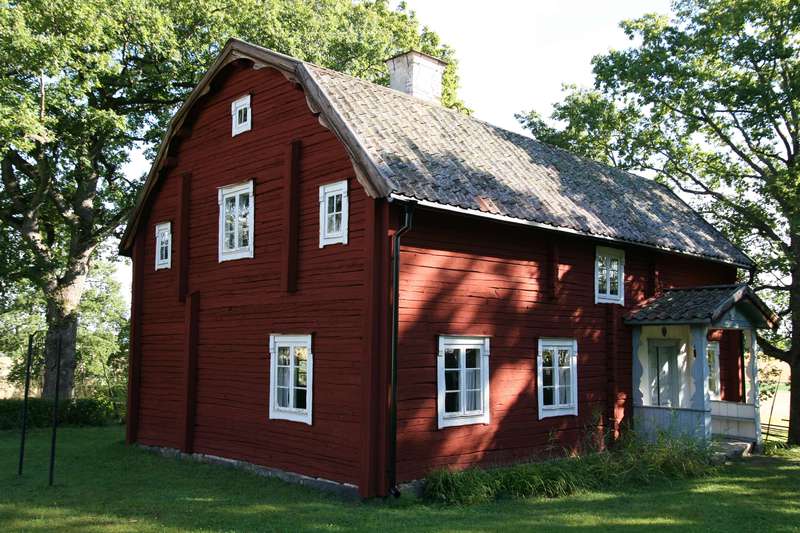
x=84, y=83
x=709, y=102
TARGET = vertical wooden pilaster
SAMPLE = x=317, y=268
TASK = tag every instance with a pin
x=612, y=354
x=553, y=279
x=291, y=176
x=135, y=346
x=698, y=359
x=182, y=237
x=370, y=371
x=190, y=371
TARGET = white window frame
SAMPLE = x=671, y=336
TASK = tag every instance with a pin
x=225, y=192
x=327, y=237
x=604, y=296
x=571, y=409
x=236, y=105
x=714, y=392
x=290, y=413
x=160, y=230
x=482, y=416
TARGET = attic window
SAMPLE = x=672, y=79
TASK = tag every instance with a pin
x=333, y=213
x=240, y=113
x=236, y=221
x=163, y=245
x=609, y=275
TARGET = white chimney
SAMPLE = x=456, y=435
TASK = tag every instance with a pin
x=417, y=74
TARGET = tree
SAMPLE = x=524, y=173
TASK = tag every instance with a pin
x=101, y=353
x=84, y=83
x=709, y=102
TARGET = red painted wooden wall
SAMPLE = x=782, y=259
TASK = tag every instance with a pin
x=469, y=277
x=242, y=302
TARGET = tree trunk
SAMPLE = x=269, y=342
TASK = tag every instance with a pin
x=794, y=404
x=62, y=329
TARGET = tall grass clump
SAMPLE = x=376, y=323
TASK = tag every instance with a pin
x=633, y=461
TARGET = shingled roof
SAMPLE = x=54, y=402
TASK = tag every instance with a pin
x=408, y=149
x=701, y=305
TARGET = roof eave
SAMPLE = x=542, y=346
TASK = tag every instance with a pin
x=521, y=221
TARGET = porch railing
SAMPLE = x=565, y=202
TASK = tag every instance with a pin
x=649, y=420
x=733, y=419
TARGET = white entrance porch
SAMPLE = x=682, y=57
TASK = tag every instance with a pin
x=676, y=369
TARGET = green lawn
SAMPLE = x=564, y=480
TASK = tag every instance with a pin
x=102, y=485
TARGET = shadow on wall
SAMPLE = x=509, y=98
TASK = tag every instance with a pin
x=466, y=277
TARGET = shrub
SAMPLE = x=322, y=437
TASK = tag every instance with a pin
x=632, y=462
x=76, y=412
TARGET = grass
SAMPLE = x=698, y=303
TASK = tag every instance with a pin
x=104, y=486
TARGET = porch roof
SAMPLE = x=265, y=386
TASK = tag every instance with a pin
x=709, y=304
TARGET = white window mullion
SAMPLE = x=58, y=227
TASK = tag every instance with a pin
x=570, y=404
x=459, y=346
x=233, y=194
x=290, y=411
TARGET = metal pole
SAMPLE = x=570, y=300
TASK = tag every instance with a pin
x=25, y=404
x=55, y=413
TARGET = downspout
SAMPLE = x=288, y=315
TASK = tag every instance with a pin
x=408, y=217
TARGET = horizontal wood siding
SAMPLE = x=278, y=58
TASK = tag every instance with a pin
x=468, y=277
x=243, y=301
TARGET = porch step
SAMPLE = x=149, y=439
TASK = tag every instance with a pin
x=733, y=448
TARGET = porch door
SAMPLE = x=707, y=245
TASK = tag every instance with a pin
x=664, y=373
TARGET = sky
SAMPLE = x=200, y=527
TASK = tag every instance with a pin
x=513, y=55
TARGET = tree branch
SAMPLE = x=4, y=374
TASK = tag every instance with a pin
x=773, y=351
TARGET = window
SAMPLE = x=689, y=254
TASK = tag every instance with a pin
x=557, y=381
x=463, y=378
x=291, y=377
x=240, y=113
x=609, y=276
x=163, y=245
x=236, y=221
x=333, y=209
x=712, y=350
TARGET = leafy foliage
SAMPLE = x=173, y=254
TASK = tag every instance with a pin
x=85, y=83
x=76, y=412
x=708, y=101
x=634, y=462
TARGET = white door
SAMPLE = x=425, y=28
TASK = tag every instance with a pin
x=664, y=373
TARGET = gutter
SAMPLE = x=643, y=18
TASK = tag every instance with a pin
x=408, y=218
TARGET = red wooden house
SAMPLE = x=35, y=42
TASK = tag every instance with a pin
x=340, y=280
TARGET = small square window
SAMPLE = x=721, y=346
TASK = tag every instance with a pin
x=291, y=378
x=241, y=115
x=557, y=383
x=609, y=275
x=163, y=245
x=236, y=221
x=333, y=213
x=463, y=378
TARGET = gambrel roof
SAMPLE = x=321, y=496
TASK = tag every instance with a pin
x=408, y=149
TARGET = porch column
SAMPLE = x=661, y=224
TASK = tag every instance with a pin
x=701, y=400
x=752, y=345
x=638, y=369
